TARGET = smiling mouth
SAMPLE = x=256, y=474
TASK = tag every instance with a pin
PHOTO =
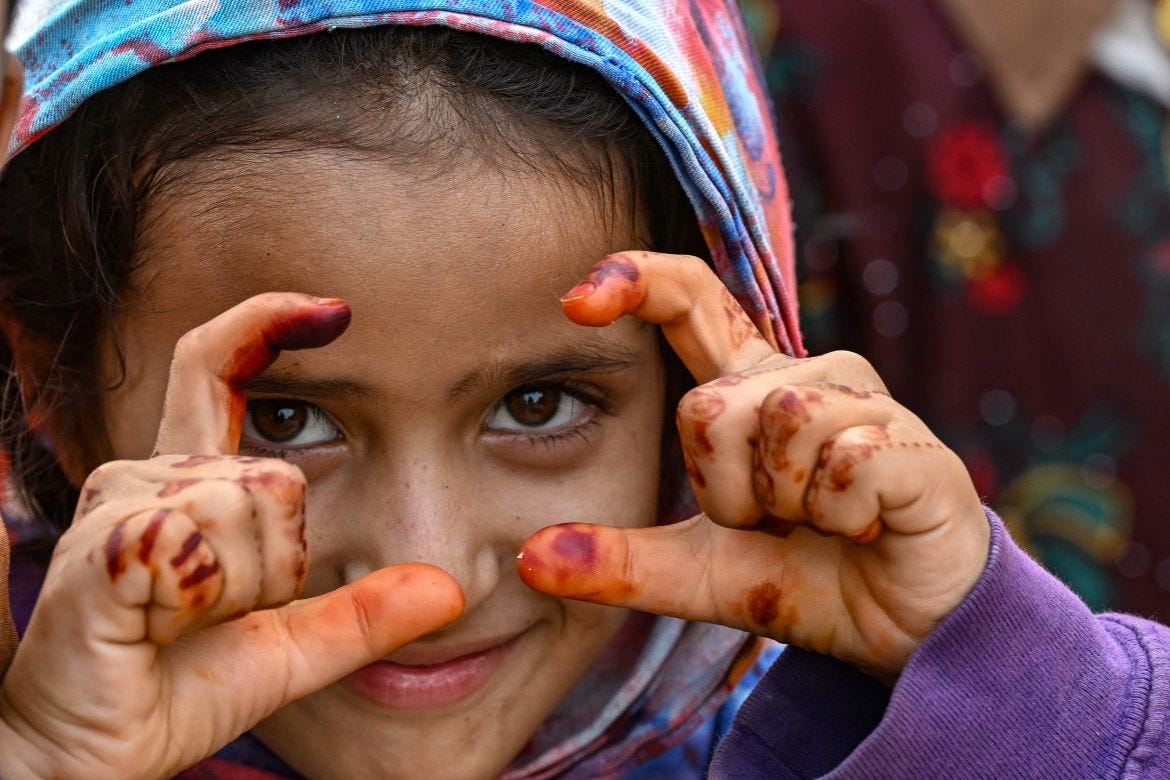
x=424, y=686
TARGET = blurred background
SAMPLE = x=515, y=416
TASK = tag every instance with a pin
x=982, y=197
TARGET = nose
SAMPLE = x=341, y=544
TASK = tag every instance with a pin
x=421, y=507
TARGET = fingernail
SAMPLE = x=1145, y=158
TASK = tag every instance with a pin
x=328, y=301
x=583, y=290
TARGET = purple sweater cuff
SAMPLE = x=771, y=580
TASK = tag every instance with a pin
x=1021, y=680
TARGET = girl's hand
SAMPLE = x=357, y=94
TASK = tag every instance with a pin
x=833, y=519
x=159, y=635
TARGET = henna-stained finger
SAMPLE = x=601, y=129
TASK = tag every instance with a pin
x=278, y=493
x=695, y=570
x=702, y=321
x=204, y=407
x=153, y=577
x=794, y=422
x=716, y=427
x=871, y=477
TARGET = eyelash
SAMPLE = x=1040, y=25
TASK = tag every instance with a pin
x=256, y=448
x=592, y=396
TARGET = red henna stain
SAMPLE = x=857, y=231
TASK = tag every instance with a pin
x=700, y=408
x=194, y=460
x=764, y=604
x=731, y=380
x=615, y=266
x=189, y=546
x=780, y=421
x=91, y=493
x=176, y=486
x=577, y=547
x=840, y=468
x=278, y=484
x=852, y=393
x=741, y=329
x=299, y=571
x=302, y=329
x=115, y=565
x=201, y=573
x=309, y=328
x=150, y=535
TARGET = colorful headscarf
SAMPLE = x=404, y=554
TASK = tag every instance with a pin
x=687, y=69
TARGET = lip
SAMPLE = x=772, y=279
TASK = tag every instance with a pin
x=425, y=683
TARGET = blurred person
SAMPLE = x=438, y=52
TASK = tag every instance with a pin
x=983, y=211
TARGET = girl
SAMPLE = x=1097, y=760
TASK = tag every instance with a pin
x=442, y=181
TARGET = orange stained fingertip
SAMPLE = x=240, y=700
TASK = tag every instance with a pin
x=571, y=561
x=612, y=289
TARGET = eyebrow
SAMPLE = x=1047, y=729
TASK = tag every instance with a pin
x=274, y=383
x=577, y=359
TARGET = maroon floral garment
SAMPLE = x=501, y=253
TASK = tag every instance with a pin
x=1013, y=290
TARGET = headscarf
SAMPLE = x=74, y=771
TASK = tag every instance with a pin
x=686, y=68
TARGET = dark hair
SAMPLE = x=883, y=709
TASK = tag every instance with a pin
x=72, y=221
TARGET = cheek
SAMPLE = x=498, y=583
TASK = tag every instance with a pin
x=589, y=635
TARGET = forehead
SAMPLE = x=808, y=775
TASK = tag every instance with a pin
x=472, y=253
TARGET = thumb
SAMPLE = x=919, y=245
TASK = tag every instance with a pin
x=695, y=570
x=309, y=644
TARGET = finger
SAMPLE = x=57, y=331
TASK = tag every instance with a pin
x=716, y=428
x=270, y=658
x=8, y=639
x=870, y=478
x=254, y=520
x=693, y=570
x=794, y=423
x=204, y=407
x=164, y=575
x=702, y=320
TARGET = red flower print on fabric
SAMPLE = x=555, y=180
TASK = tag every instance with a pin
x=999, y=292
x=967, y=168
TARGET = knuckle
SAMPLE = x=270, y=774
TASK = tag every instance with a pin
x=191, y=344
x=701, y=404
x=850, y=368
x=110, y=471
x=694, y=266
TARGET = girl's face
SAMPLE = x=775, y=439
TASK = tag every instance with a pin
x=459, y=413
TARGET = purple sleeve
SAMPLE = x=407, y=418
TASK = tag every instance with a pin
x=1021, y=680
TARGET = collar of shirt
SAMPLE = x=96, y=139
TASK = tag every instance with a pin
x=1035, y=52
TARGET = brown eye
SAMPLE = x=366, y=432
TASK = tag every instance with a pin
x=278, y=420
x=532, y=406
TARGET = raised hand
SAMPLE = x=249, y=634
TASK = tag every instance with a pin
x=833, y=519
x=159, y=635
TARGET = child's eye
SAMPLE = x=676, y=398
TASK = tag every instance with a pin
x=537, y=408
x=288, y=423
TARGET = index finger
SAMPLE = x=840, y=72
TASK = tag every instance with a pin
x=204, y=407
x=702, y=321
